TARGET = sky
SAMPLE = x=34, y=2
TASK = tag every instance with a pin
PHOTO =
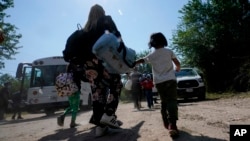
x=45, y=25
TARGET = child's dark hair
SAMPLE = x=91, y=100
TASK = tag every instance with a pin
x=157, y=39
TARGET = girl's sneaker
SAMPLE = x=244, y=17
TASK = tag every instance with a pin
x=166, y=124
x=73, y=124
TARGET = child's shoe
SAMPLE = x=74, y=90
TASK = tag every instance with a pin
x=73, y=124
x=19, y=117
x=60, y=120
x=173, y=131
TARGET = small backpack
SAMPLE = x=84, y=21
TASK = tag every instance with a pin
x=65, y=85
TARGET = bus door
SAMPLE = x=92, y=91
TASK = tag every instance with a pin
x=23, y=74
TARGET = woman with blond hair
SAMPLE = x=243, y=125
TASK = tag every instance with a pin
x=106, y=87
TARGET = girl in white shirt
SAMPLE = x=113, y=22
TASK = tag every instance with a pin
x=162, y=60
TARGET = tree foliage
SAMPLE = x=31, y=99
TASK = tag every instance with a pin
x=214, y=36
x=144, y=68
x=15, y=84
x=10, y=45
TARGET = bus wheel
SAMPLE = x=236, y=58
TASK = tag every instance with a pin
x=49, y=111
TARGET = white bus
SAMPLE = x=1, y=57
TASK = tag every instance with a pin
x=37, y=83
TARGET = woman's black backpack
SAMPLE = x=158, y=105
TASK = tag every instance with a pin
x=78, y=47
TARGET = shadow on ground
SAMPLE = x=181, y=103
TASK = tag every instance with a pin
x=72, y=134
x=132, y=134
x=185, y=136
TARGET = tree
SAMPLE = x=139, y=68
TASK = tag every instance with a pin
x=15, y=84
x=10, y=45
x=214, y=36
x=144, y=68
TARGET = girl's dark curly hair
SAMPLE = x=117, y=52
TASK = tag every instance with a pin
x=157, y=39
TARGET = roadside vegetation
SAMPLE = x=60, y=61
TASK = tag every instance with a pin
x=126, y=96
x=228, y=95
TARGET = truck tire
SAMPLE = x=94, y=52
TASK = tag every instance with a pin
x=202, y=96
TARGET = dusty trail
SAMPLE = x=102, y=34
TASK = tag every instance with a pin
x=198, y=120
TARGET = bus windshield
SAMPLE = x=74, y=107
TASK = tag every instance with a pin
x=45, y=75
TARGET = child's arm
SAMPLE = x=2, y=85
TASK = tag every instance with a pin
x=177, y=64
x=139, y=61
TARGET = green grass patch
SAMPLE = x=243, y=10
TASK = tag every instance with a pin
x=228, y=95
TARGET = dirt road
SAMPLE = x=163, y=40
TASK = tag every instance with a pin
x=198, y=120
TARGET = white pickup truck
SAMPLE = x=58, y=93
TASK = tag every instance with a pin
x=190, y=84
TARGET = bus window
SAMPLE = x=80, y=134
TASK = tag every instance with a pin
x=59, y=69
x=26, y=81
x=46, y=75
x=37, y=80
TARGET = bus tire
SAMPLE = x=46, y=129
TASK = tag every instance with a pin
x=49, y=111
